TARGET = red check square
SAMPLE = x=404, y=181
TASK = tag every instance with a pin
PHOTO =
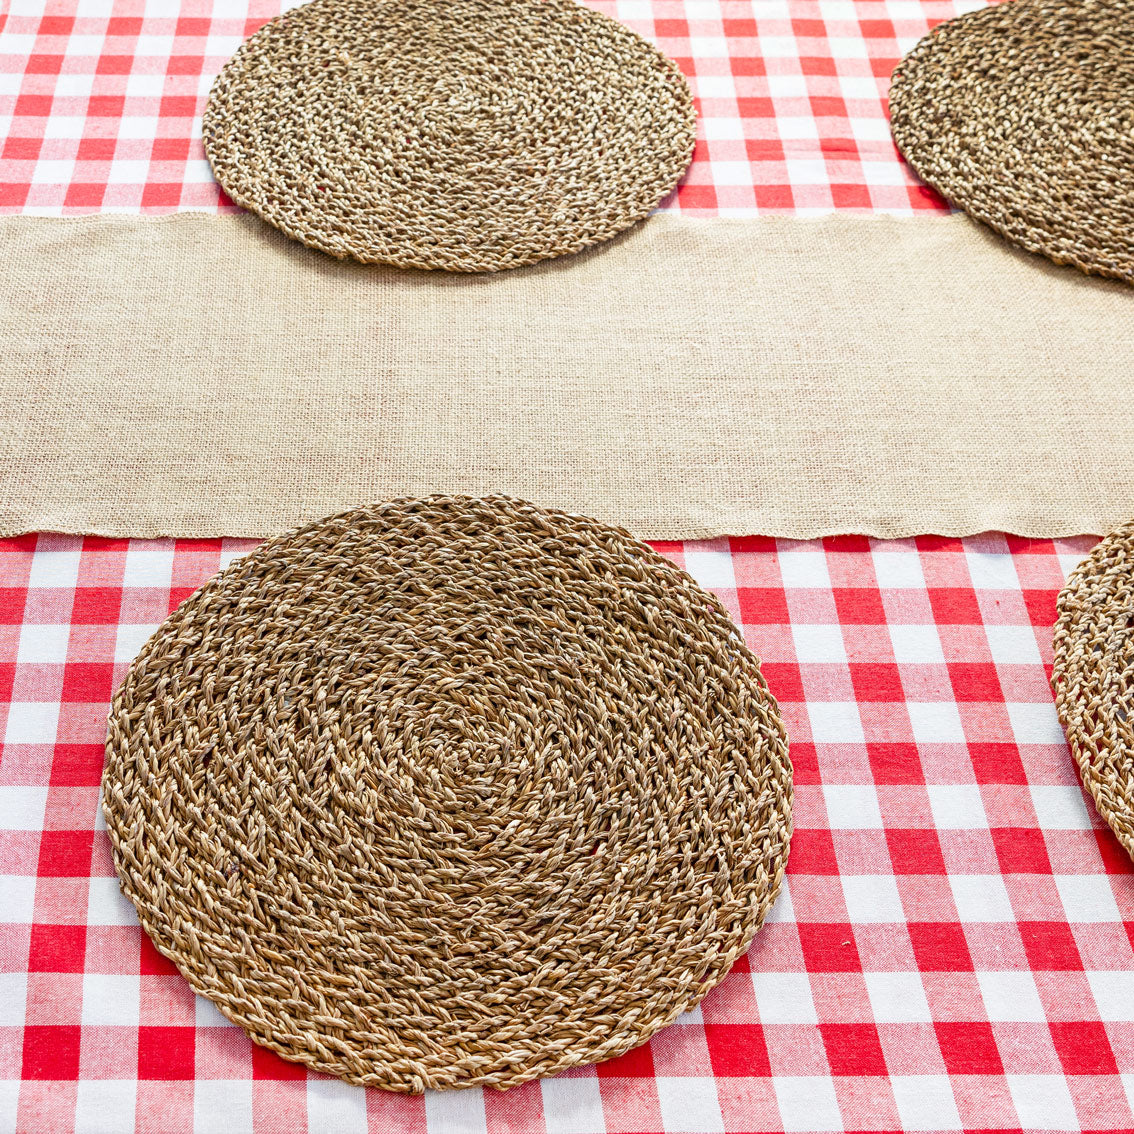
x=1083, y=1047
x=51, y=1052
x=853, y=1049
x=969, y=1048
x=66, y=854
x=737, y=1050
x=57, y=949
x=166, y=1053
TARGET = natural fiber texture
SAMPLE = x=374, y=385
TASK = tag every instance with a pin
x=469, y=135
x=1023, y=115
x=206, y=376
x=1093, y=676
x=448, y=792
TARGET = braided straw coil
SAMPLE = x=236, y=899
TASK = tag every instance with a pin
x=468, y=135
x=1093, y=676
x=1022, y=114
x=449, y=792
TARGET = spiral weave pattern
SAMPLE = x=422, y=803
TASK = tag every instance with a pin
x=1022, y=114
x=448, y=792
x=1093, y=676
x=468, y=135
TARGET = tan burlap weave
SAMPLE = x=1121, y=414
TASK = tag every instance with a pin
x=449, y=792
x=202, y=375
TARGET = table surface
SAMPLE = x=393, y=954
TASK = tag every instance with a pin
x=100, y=100
x=952, y=949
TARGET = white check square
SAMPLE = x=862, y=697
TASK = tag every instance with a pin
x=335, y=1107
x=711, y=568
x=43, y=644
x=63, y=126
x=1011, y=997
x=835, y=722
x=107, y=905
x=818, y=643
x=714, y=86
x=689, y=1105
x=32, y=722
x=956, y=807
x=807, y=1102
x=1013, y=645
x=936, y=722
x=17, y=899
x=9, y=1102
x=981, y=897
x=13, y=999
x=1087, y=897
x=916, y=645
x=894, y=570
x=106, y=1106
x=870, y=129
x=897, y=998
x=992, y=571
x=723, y=129
x=925, y=1102
x=54, y=568
x=1114, y=994
x=1060, y=807
x=731, y=173
x=863, y=87
x=872, y=898
x=111, y=999
x=223, y=1106
x=148, y=567
x=448, y=1111
x=131, y=637
x=1035, y=723
x=852, y=807
x=784, y=998
x=573, y=1106
x=1043, y=1102
x=22, y=808
x=804, y=569
x=708, y=47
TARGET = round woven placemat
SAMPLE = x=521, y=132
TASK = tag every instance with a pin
x=1093, y=676
x=449, y=792
x=469, y=135
x=1022, y=114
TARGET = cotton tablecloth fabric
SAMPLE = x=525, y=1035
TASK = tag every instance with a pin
x=100, y=100
x=952, y=949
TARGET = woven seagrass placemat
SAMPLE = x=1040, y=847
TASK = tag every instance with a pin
x=1022, y=114
x=1093, y=676
x=449, y=791
x=469, y=135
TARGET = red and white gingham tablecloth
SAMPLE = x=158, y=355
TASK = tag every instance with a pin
x=952, y=950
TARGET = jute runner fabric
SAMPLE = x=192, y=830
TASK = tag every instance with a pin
x=449, y=792
x=200, y=375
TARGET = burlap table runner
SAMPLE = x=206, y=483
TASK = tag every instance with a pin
x=200, y=375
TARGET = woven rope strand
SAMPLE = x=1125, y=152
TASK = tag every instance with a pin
x=449, y=792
